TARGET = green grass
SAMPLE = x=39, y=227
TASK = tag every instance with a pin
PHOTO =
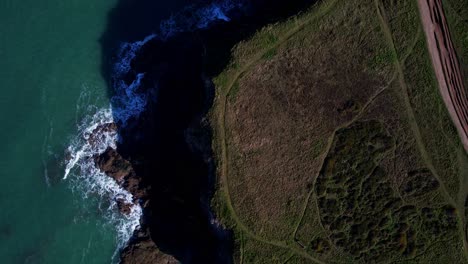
x=423, y=90
x=234, y=91
x=318, y=148
x=382, y=58
x=358, y=205
x=423, y=132
x=269, y=54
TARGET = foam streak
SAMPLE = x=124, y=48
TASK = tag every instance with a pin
x=126, y=105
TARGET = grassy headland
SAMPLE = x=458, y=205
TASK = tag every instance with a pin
x=333, y=144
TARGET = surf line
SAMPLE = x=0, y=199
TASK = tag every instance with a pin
x=98, y=133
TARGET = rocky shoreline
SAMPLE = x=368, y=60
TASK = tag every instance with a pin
x=141, y=248
x=165, y=158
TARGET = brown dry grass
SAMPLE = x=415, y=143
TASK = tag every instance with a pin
x=286, y=106
x=284, y=109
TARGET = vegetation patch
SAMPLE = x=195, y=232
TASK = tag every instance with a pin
x=333, y=143
x=418, y=182
x=365, y=216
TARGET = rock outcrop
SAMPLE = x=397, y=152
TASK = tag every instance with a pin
x=145, y=251
x=142, y=248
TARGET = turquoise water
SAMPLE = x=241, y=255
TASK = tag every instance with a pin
x=49, y=75
x=56, y=206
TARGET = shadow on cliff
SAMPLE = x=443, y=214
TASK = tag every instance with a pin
x=133, y=20
x=170, y=145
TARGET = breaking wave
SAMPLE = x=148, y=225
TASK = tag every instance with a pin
x=127, y=104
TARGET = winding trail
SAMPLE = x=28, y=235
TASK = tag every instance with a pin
x=221, y=120
x=451, y=86
x=406, y=101
x=445, y=64
x=450, y=83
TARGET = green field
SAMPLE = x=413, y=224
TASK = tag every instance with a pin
x=333, y=144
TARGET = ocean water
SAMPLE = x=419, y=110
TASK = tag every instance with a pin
x=50, y=80
x=55, y=206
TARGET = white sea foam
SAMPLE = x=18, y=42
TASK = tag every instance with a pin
x=130, y=102
x=198, y=19
x=127, y=104
x=89, y=180
x=126, y=54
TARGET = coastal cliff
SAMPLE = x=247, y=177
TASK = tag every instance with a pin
x=164, y=157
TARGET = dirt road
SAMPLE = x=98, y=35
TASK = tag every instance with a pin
x=446, y=65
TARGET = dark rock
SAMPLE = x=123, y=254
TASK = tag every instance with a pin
x=114, y=165
x=145, y=252
x=124, y=207
x=169, y=146
x=111, y=163
x=100, y=131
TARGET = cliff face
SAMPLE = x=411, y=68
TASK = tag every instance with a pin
x=176, y=176
x=165, y=157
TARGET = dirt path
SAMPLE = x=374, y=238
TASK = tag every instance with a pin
x=454, y=81
x=224, y=162
x=450, y=80
x=406, y=100
x=445, y=64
